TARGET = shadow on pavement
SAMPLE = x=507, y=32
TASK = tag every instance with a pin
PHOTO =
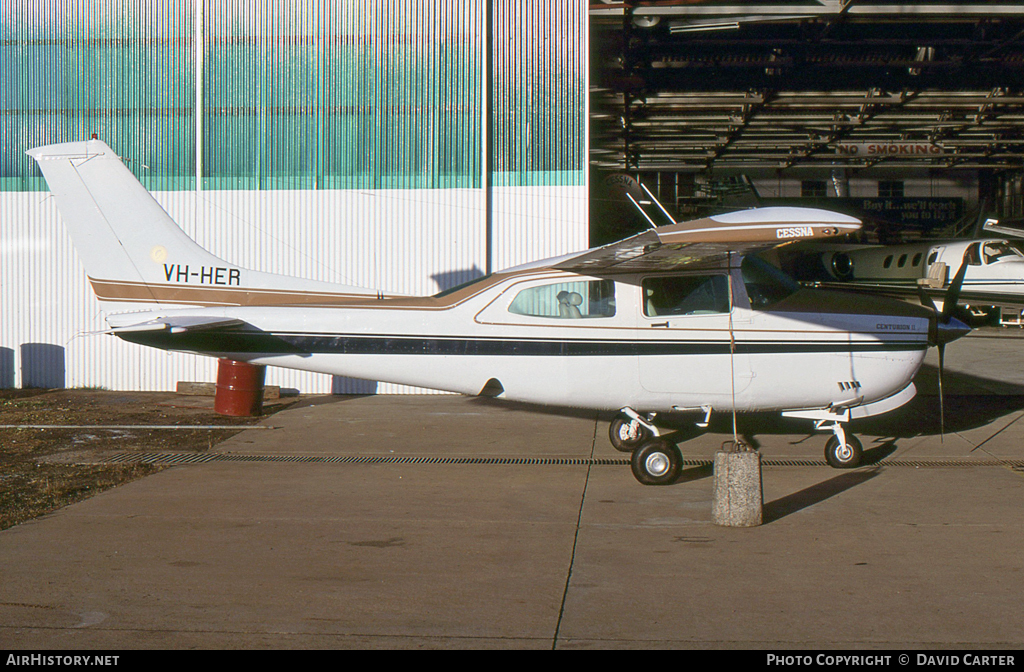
x=695, y=473
x=970, y=403
x=784, y=506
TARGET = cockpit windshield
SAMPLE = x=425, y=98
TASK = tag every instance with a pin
x=1000, y=251
x=766, y=285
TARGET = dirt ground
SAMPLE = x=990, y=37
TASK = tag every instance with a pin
x=42, y=470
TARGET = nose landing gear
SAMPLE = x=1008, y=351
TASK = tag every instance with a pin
x=842, y=450
x=843, y=453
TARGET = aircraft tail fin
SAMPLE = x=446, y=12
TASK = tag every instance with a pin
x=136, y=256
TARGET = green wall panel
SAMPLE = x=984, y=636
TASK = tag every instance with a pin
x=121, y=69
x=320, y=94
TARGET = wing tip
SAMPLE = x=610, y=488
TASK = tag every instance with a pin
x=788, y=214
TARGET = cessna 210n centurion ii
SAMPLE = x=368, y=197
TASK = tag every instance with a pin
x=674, y=319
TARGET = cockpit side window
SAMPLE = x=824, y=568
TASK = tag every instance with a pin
x=996, y=251
x=567, y=300
x=766, y=285
x=686, y=295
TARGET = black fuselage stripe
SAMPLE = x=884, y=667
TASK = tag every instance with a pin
x=276, y=344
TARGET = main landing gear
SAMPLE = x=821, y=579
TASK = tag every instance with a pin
x=655, y=461
x=629, y=430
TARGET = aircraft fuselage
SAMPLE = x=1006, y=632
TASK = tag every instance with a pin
x=626, y=343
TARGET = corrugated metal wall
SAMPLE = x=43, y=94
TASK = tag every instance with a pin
x=539, y=127
x=540, y=92
x=339, y=140
x=342, y=94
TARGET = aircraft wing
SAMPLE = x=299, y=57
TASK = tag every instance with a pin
x=710, y=240
x=992, y=226
x=1014, y=296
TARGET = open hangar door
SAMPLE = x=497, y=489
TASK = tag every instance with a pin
x=909, y=115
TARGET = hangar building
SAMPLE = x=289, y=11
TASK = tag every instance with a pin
x=402, y=145
x=409, y=145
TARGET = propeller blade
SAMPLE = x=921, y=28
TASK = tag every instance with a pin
x=942, y=400
x=926, y=300
x=953, y=294
x=943, y=329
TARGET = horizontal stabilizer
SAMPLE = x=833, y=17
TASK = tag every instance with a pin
x=177, y=325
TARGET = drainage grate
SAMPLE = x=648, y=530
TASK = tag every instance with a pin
x=204, y=458
x=952, y=463
x=793, y=463
x=162, y=458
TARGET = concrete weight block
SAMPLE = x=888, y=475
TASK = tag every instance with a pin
x=737, y=496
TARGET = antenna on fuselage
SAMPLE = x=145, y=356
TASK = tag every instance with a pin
x=732, y=356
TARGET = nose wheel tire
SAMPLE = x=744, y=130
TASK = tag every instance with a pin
x=657, y=462
x=626, y=435
x=843, y=456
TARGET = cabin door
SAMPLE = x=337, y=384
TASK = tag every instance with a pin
x=684, y=340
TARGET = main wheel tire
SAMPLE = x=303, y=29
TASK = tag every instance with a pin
x=657, y=462
x=623, y=437
x=845, y=456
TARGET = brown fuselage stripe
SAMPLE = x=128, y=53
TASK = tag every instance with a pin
x=140, y=292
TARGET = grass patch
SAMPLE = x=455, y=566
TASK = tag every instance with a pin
x=29, y=490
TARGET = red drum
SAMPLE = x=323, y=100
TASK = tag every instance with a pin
x=239, y=388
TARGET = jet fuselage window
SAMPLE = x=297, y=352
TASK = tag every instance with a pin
x=686, y=295
x=903, y=261
x=567, y=300
x=888, y=262
x=917, y=259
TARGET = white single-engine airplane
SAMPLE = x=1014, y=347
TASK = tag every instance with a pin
x=676, y=318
